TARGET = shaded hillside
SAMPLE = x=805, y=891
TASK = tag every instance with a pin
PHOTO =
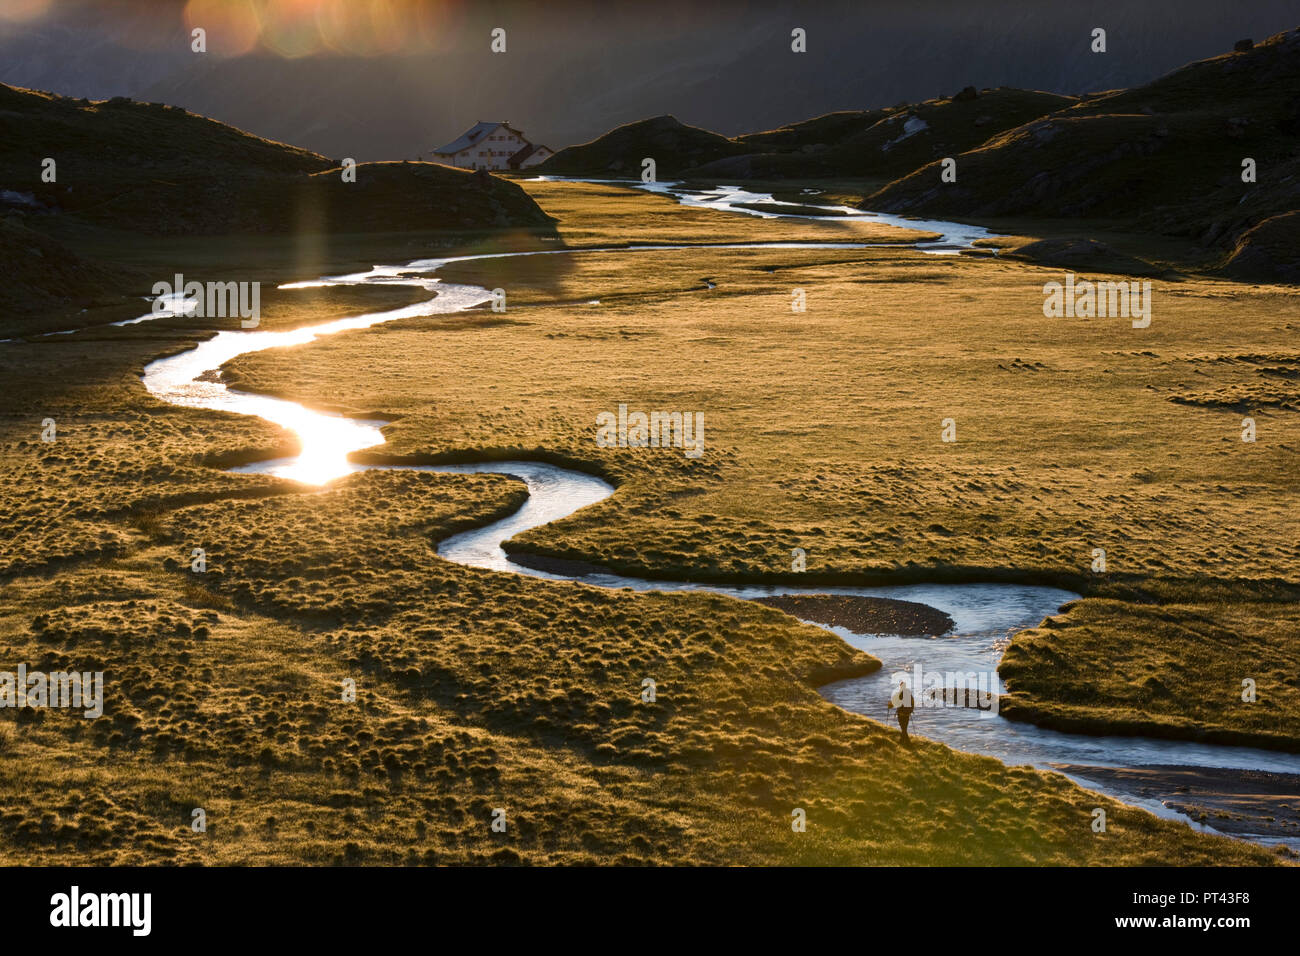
x=155, y=170
x=42, y=275
x=832, y=127
x=1165, y=157
x=869, y=143
x=1269, y=251
x=146, y=167
x=674, y=146
x=885, y=143
x=913, y=135
x=388, y=196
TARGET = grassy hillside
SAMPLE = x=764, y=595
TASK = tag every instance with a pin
x=674, y=146
x=1268, y=251
x=814, y=133
x=152, y=168
x=886, y=143
x=943, y=127
x=1167, y=157
x=870, y=143
x=43, y=276
x=147, y=169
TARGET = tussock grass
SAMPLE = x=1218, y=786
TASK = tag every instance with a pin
x=478, y=691
x=823, y=432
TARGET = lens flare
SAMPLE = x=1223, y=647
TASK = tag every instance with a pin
x=289, y=28
x=232, y=26
x=21, y=11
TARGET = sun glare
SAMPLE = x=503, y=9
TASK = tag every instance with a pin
x=298, y=28
x=326, y=442
x=23, y=10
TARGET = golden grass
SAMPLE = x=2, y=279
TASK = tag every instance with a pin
x=594, y=214
x=823, y=432
x=480, y=690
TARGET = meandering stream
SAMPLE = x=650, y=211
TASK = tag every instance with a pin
x=986, y=615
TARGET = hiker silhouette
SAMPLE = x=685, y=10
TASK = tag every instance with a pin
x=901, y=702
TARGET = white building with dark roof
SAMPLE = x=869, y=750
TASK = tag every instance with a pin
x=491, y=146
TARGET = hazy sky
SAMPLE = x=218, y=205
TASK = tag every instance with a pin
x=393, y=78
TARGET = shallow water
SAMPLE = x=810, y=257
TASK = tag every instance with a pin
x=955, y=236
x=326, y=439
x=986, y=615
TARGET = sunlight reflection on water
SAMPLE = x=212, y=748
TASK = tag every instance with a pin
x=986, y=615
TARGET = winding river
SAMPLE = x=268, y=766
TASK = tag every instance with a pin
x=986, y=615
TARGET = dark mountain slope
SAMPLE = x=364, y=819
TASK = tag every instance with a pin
x=149, y=169
x=152, y=168
x=674, y=146
x=870, y=143
x=1165, y=157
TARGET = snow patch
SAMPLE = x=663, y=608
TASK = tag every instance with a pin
x=912, y=126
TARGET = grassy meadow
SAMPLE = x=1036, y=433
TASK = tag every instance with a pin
x=478, y=691
x=1072, y=435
